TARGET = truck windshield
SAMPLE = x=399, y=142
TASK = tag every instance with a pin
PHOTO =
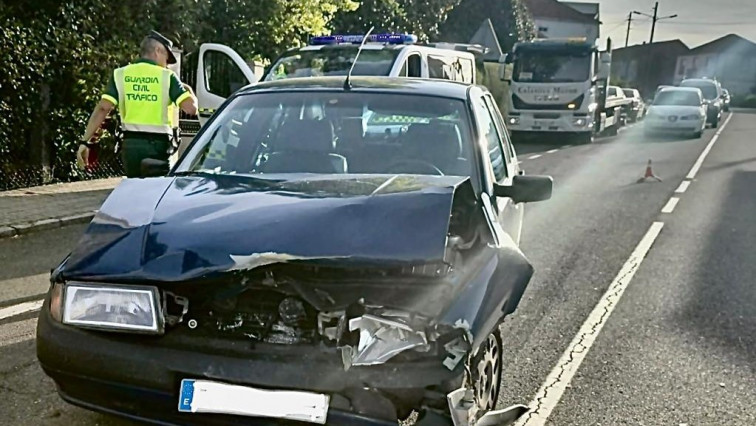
x=552, y=67
x=332, y=61
x=677, y=97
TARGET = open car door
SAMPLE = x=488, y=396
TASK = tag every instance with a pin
x=220, y=72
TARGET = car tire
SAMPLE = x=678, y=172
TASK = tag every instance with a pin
x=715, y=123
x=698, y=135
x=486, y=368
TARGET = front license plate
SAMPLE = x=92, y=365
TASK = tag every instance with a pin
x=202, y=396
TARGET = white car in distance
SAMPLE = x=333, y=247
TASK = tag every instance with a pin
x=677, y=110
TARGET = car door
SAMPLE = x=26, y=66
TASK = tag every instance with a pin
x=220, y=72
x=499, y=163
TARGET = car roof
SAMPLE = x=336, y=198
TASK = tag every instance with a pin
x=424, y=87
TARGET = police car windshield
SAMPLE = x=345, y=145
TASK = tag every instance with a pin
x=330, y=61
x=335, y=133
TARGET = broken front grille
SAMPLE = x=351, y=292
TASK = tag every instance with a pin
x=257, y=315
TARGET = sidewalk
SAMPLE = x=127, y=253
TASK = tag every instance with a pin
x=51, y=206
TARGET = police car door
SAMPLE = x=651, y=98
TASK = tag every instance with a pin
x=220, y=72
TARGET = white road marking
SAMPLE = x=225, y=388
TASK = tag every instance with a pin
x=17, y=332
x=551, y=151
x=694, y=170
x=21, y=308
x=565, y=146
x=559, y=379
x=671, y=204
x=533, y=157
x=683, y=187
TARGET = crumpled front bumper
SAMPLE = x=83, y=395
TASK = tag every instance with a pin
x=139, y=377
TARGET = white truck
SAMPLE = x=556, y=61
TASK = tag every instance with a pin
x=559, y=86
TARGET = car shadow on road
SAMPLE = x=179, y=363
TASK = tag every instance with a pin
x=722, y=305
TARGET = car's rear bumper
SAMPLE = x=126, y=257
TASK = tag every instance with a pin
x=123, y=375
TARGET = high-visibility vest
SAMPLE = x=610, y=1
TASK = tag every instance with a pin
x=144, y=97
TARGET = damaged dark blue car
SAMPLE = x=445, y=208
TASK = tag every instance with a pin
x=320, y=253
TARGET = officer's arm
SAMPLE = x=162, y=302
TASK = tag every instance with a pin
x=183, y=96
x=189, y=105
x=97, y=118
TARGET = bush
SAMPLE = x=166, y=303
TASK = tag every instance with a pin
x=743, y=101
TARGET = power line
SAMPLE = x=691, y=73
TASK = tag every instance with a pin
x=711, y=23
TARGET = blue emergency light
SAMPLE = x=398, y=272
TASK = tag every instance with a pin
x=357, y=39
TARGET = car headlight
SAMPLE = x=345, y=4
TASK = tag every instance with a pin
x=514, y=121
x=115, y=308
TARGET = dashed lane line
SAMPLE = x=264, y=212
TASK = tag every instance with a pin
x=670, y=206
x=559, y=379
x=683, y=187
x=551, y=151
x=533, y=157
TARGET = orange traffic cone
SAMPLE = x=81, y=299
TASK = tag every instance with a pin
x=649, y=174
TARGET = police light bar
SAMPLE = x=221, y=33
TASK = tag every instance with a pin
x=357, y=39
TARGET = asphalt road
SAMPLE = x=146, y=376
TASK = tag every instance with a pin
x=675, y=339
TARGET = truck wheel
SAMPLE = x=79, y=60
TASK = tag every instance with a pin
x=584, y=138
x=614, y=130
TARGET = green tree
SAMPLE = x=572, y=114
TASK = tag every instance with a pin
x=511, y=21
x=419, y=17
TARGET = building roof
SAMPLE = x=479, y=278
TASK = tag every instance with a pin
x=730, y=42
x=659, y=45
x=590, y=9
x=552, y=9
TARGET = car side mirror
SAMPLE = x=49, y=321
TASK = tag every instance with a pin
x=152, y=167
x=526, y=189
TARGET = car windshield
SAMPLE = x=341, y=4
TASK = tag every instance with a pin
x=677, y=97
x=330, y=61
x=709, y=89
x=552, y=67
x=335, y=132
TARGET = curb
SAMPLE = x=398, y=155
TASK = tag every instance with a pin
x=8, y=231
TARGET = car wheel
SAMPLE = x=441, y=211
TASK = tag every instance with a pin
x=715, y=123
x=698, y=134
x=486, y=369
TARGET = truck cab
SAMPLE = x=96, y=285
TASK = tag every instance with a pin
x=560, y=86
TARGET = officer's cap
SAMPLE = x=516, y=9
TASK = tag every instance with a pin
x=165, y=42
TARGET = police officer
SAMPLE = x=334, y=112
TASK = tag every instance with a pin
x=143, y=92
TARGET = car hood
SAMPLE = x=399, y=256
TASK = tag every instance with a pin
x=181, y=228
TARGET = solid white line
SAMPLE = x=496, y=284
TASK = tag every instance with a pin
x=556, y=383
x=693, y=171
x=671, y=204
x=683, y=187
x=21, y=308
x=552, y=151
x=533, y=157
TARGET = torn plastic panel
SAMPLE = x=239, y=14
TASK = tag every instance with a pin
x=380, y=340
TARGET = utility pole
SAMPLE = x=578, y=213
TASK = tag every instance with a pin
x=653, y=22
x=629, y=21
x=654, y=19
